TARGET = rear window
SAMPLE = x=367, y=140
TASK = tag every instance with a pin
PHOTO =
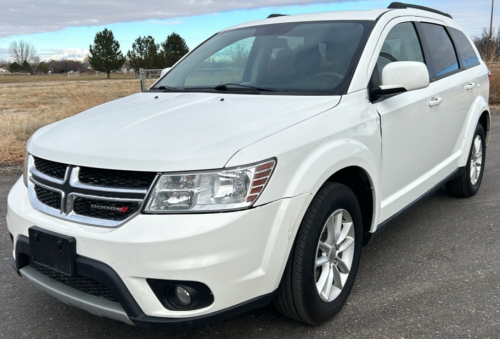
x=443, y=57
x=469, y=56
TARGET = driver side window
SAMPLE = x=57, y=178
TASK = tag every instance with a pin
x=402, y=44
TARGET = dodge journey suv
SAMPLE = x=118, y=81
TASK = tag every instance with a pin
x=254, y=170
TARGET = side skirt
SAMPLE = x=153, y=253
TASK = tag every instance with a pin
x=382, y=226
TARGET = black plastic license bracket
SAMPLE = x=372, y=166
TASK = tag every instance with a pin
x=53, y=250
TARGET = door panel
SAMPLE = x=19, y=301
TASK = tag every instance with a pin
x=410, y=129
x=410, y=143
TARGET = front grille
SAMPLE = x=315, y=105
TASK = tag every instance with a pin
x=84, y=194
x=117, y=179
x=82, y=284
x=51, y=168
x=105, y=209
x=48, y=197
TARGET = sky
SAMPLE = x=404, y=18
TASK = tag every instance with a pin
x=65, y=28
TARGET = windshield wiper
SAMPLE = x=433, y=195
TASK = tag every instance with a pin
x=167, y=88
x=225, y=87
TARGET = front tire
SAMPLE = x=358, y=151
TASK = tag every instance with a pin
x=324, y=261
x=467, y=184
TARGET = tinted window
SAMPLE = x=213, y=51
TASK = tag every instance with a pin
x=401, y=44
x=443, y=56
x=467, y=53
x=288, y=57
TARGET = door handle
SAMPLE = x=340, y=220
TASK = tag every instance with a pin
x=470, y=86
x=435, y=101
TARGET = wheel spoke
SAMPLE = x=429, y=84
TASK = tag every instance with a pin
x=348, y=242
x=323, y=246
x=344, y=232
x=342, y=266
x=337, y=226
x=337, y=280
x=329, y=283
x=320, y=284
x=321, y=261
x=473, y=174
x=330, y=228
x=477, y=144
x=479, y=156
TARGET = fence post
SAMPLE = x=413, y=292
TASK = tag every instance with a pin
x=141, y=77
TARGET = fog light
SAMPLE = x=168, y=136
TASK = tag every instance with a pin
x=183, y=296
x=179, y=296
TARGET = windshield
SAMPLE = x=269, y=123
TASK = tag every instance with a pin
x=308, y=57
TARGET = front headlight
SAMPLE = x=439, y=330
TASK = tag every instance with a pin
x=210, y=191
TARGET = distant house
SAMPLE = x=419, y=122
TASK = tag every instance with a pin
x=4, y=71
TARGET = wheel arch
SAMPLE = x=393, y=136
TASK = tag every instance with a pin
x=359, y=181
x=485, y=121
x=478, y=114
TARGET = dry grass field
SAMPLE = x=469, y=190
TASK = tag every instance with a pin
x=25, y=107
x=23, y=78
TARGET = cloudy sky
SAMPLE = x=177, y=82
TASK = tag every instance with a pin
x=66, y=28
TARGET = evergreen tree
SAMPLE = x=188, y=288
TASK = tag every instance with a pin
x=43, y=67
x=105, y=54
x=173, y=49
x=26, y=67
x=145, y=54
x=15, y=67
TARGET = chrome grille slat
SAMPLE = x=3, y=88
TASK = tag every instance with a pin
x=87, y=203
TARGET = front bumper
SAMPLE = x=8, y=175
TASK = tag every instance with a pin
x=240, y=255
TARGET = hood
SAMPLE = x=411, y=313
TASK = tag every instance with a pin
x=172, y=131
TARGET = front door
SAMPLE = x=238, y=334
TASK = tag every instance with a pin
x=410, y=131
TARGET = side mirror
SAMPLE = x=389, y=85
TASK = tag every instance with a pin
x=165, y=71
x=403, y=76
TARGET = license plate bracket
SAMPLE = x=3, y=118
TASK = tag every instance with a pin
x=53, y=250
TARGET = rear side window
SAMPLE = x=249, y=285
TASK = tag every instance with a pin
x=467, y=53
x=442, y=53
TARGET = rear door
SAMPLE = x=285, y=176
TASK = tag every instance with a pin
x=454, y=85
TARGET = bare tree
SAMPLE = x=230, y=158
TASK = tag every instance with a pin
x=35, y=61
x=22, y=51
x=488, y=45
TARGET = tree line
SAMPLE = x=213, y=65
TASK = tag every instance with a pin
x=104, y=55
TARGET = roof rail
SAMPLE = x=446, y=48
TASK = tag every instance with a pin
x=275, y=15
x=400, y=5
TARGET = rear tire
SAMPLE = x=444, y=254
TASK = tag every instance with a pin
x=324, y=261
x=468, y=183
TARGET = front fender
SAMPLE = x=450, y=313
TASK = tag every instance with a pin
x=312, y=151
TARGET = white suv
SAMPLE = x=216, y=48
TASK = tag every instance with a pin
x=254, y=170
